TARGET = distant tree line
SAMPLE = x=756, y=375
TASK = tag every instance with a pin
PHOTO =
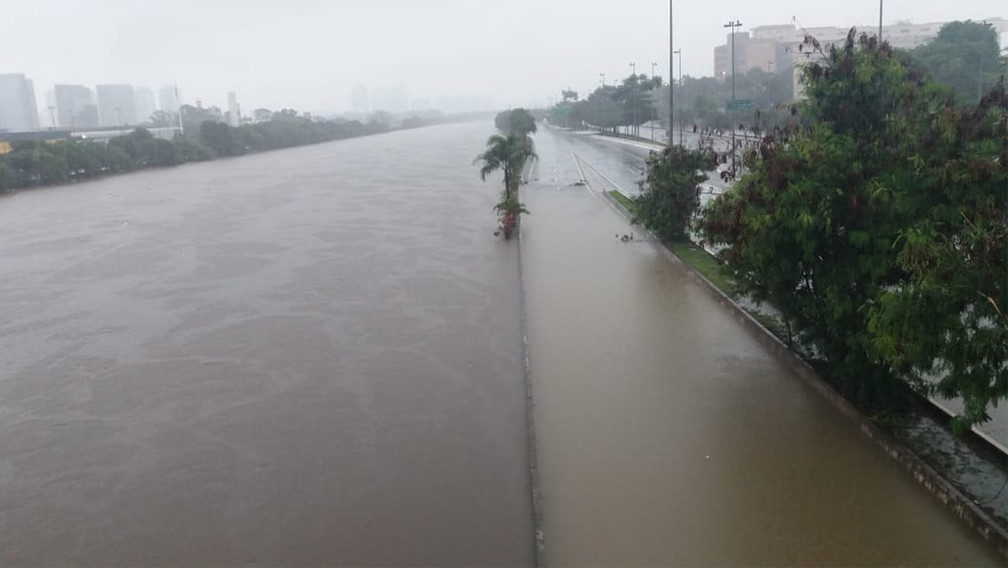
x=964, y=56
x=36, y=163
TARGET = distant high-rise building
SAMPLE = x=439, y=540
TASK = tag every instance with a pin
x=390, y=99
x=420, y=104
x=143, y=98
x=168, y=98
x=359, y=99
x=75, y=107
x=778, y=48
x=116, y=105
x=234, y=110
x=18, y=111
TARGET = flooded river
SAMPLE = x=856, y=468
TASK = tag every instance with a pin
x=313, y=357
x=304, y=357
x=668, y=436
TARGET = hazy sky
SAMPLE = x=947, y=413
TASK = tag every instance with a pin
x=308, y=54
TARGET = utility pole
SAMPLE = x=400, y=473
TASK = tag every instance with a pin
x=598, y=113
x=769, y=65
x=633, y=78
x=178, y=103
x=653, y=65
x=733, y=25
x=671, y=122
x=671, y=71
x=980, y=77
x=880, y=23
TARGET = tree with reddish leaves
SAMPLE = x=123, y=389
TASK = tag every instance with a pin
x=876, y=225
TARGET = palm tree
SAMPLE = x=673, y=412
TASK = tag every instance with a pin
x=509, y=154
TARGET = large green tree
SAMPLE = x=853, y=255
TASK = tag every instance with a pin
x=670, y=194
x=947, y=321
x=812, y=227
x=877, y=228
x=518, y=122
x=965, y=56
x=509, y=155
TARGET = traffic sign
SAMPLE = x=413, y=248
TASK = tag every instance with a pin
x=742, y=104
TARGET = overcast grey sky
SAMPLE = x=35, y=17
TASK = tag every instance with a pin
x=308, y=54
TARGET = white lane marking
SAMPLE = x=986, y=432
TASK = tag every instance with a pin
x=602, y=175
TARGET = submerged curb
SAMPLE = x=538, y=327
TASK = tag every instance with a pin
x=538, y=537
x=964, y=508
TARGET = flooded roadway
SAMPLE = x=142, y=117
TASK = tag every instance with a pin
x=668, y=436
x=304, y=357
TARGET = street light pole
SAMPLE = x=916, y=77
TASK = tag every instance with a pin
x=653, y=65
x=880, y=23
x=633, y=77
x=178, y=104
x=671, y=95
x=679, y=53
x=733, y=25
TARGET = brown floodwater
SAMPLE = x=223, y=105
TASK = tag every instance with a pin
x=668, y=436
x=305, y=357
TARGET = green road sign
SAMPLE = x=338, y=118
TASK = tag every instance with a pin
x=744, y=104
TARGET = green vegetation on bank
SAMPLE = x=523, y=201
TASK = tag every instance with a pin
x=670, y=192
x=36, y=163
x=706, y=264
x=877, y=227
x=964, y=56
x=875, y=223
x=625, y=202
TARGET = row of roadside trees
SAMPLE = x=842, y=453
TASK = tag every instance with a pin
x=875, y=221
x=965, y=56
x=35, y=163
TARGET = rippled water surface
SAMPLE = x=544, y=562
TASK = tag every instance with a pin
x=309, y=356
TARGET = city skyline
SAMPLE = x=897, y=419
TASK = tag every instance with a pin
x=514, y=51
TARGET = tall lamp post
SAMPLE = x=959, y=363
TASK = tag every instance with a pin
x=598, y=111
x=677, y=52
x=733, y=25
x=880, y=22
x=651, y=120
x=633, y=76
x=671, y=96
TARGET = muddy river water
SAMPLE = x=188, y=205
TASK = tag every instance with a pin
x=314, y=357
x=309, y=356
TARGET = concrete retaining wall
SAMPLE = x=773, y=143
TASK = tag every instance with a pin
x=538, y=536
